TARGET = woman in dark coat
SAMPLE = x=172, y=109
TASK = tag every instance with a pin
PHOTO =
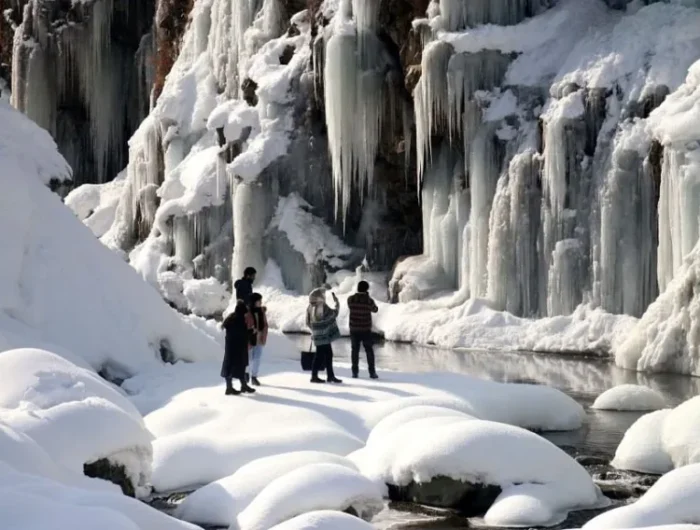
x=238, y=328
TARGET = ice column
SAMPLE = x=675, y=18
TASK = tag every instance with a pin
x=249, y=223
x=679, y=204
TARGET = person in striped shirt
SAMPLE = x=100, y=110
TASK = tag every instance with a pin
x=361, y=308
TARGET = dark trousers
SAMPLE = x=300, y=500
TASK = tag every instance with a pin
x=324, y=353
x=357, y=339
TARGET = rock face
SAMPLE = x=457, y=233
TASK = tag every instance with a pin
x=443, y=492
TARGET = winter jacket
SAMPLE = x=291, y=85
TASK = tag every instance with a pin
x=321, y=322
x=244, y=289
x=260, y=325
x=361, y=308
x=238, y=333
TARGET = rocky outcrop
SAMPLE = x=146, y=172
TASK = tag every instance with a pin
x=469, y=499
x=111, y=472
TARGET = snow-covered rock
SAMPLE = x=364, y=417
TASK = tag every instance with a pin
x=220, y=502
x=324, y=520
x=35, y=502
x=311, y=488
x=73, y=414
x=96, y=204
x=662, y=440
x=530, y=481
x=671, y=501
x=630, y=398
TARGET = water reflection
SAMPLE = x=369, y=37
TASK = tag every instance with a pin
x=582, y=378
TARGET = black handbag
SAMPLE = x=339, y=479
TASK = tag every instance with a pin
x=307, y=359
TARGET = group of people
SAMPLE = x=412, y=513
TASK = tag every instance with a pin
x=246, y=334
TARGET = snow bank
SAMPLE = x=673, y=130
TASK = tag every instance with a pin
x=35, y=502
x=672, y=500
x=450, y=321
x=220, y=502
x=311, y=488
x=61, y=289
x=540, y=483
x=662, y=440
x=324, y=520
x=630, y=397
x=74, y=415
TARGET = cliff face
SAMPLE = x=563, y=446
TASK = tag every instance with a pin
x=528, y=129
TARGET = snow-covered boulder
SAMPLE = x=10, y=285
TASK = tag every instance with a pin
x=672, y=500
x=324, y=520
x=73, y=414
x=312, y=488
x=630, y=398
x=220, y=502
x=36, y=502
x=515, y=476
x=662, y=440
x=96, y=204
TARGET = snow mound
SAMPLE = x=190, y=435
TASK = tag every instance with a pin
x=641, y=448
x=630, y=397
x=540, y=483
x=324, y=520
x=76, y=417
x=662, y=440
x=311, y=488
x=402, y=416
x=38, y=503
x=60, y=289
x=672, y=500
x=96, y=204
x=220, y=502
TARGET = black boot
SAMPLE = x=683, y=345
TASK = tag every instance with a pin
x=255, y=381
x=230, y=391
x=316, y=379
x=247, y=389
x=335, y=380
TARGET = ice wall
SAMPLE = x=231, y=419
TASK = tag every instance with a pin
x=82, y=71
x=571, y=190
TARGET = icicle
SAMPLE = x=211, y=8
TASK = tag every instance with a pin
x=354, y=87
x=430, y=99
x=460, y=14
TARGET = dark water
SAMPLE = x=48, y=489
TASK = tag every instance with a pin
x=580, y=377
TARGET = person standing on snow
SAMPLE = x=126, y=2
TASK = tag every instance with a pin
x=259, y=337
x=361, y=308
x=321, y=320
x=244, y=286
x=238, y=325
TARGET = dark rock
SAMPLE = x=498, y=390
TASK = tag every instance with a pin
x=588, y=460
x=287, y=55
x=465, y=497
x=249, y=87
x=115, y=473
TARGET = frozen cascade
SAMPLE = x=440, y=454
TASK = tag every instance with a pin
x=484, y=170
x=565, y=285
x=679, y=204
x=431, y=99
x=356, y=84
x=513, y=260
x=628, y=226
x=63, y=78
